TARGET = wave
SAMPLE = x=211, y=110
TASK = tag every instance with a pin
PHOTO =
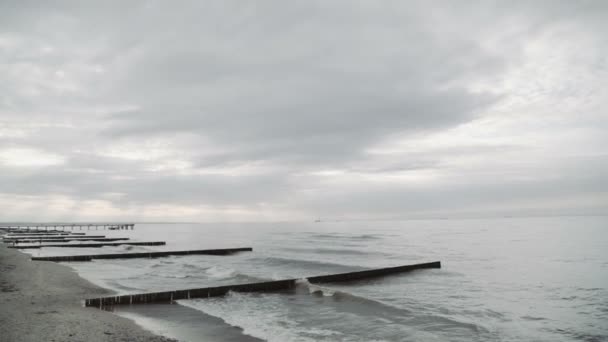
x=533, y=318
x=190, y=266
x=226, y=273
x=115, y=285
x=162, y=262
x=332, y=314
x=364, y=306
x=333, y=251
x=590, y=289
x=259, y=315
x=310, y=264
x=347, y=237
x=179, y=269
x=175, y=276
x=213, y=272
x=219, y=272
x=579, y=335
x=314, y=289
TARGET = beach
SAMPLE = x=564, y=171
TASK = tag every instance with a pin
x=41, y=301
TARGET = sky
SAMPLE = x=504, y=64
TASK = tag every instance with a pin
x=298, y=110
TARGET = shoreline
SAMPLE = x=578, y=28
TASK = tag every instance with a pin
x=42, y=301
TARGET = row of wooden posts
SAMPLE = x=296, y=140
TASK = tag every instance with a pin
x=17, y=235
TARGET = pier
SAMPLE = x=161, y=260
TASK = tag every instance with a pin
x=87, y=245
x=269, y=286
x=41, y=227
x=224, y=251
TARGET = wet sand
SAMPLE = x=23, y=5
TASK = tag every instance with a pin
x=42, y=301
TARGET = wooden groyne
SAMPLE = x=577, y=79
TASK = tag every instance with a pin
x=51, y=237
x=71, y=239
x=85, y=245
x=224, y=251
x=32, y=231
x=367, y=274
x=279, y=285
x=44, y=233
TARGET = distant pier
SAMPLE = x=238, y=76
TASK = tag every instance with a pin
x=42, y=227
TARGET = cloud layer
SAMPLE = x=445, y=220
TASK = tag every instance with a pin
x=287, y=111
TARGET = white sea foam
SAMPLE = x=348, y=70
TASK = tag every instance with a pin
x=315, y=289
x=219, y=272
x=263, y=316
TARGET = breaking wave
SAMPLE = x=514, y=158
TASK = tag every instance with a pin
x=311, y=264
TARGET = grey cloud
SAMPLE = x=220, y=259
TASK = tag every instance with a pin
x=145, y=188
x=292, y=87
x=465, y=195
x=297, y=94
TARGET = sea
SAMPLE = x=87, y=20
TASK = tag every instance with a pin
x=502, y=279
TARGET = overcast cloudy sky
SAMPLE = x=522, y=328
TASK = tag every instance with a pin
x=293, y=110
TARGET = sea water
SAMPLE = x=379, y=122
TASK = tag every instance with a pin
x=506, y=279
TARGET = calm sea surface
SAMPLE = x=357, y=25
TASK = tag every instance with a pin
x=512, y=279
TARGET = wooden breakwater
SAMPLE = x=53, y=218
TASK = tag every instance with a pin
x=40, y=235
x=224, y=251
x=367, y=274
x=51, y=237
x=31, y=230
x=44, y=233
x=71, y=239
x=279, y=285
x=102, y=244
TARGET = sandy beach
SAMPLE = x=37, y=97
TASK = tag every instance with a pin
x=41, y=301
